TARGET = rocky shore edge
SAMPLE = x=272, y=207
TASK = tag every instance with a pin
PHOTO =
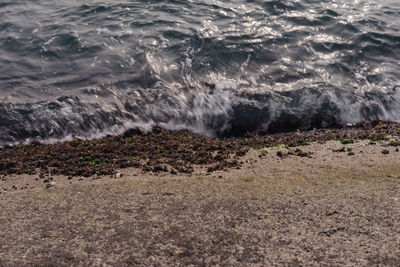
x=173, y=152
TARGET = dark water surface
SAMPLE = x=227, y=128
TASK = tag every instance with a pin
x=91, y=68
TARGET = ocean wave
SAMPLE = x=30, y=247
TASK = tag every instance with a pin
x=73, y=70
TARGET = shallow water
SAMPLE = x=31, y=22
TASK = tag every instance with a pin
x=91, y=68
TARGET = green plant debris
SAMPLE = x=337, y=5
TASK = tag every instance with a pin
x=259, y=147
x=394, y=143
x=96, y=161
x=159, y=156
x=279, y=145
x=303, y=142
x=284, y=146
x=133, y=158
x=87, y=158
x=349, y=149
x=345, y=141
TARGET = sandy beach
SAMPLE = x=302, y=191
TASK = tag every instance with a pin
x=320, y=204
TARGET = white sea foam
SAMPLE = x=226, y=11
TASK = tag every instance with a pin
x=208, y=68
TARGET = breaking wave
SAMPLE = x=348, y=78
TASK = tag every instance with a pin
x=72, y=70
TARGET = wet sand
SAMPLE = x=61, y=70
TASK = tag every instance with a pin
x=303, y=205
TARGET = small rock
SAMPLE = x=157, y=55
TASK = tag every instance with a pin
x=331, y=213
x=280, y=154
x=51, y=184
x=118, y=175
x=304, y=202
x=158, y=168
x=343, y=149
x=351, y=153
x=301, y=153
x=385, y=151
x=397, y=149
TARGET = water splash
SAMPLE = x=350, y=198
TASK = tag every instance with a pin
x=99, y=68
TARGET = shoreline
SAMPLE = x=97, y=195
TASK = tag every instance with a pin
x=171, y=151
x=310, y=155
x=310, y=204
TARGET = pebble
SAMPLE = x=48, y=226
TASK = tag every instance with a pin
x=51, y=184
x=118, y=175
x=351, y=153
x=385, y=151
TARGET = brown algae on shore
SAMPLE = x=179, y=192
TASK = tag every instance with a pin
x=170, y=151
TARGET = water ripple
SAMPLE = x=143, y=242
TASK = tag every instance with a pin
x=214, y=67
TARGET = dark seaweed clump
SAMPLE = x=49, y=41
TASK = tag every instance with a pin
x=165, y=151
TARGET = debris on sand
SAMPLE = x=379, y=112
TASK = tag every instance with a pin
x=50, y=184
x=172, y=151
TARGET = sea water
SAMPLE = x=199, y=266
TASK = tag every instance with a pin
x=88, y=68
